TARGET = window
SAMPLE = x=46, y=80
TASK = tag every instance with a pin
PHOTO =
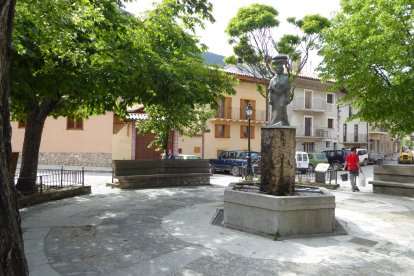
x=355, y=133
x=308, y=146
x=224, y=108
x=350, y=112
x=344, y=132
x=327, y=144
x=330, y=98
x=330, y=123
x=222, y=131
x=197, y=149
x=74, y=124
x=308, y=99
x=243, y=106
x=244, y=130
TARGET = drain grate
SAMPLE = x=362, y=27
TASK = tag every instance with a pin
x=218, y=217
x=364, y=242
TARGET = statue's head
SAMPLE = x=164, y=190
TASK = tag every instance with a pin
x=280, y=61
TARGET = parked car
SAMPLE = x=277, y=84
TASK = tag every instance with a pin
x=374, y=157
x=336, y=158
x=406, y=156
x=315, y=158
x=302, y=161
x=187, y=156
x=234, y=161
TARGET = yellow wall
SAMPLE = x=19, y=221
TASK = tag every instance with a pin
x=122, y=142
x=247, y=91
x=56, y=138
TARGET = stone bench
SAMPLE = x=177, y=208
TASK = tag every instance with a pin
x=393, y=180
x=144, y=174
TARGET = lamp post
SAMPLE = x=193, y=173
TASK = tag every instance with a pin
x=249, y=111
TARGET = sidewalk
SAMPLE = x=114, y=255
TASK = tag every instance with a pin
x=169, y=232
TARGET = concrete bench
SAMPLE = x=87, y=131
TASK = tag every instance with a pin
x=393, y=180
x=144, y=174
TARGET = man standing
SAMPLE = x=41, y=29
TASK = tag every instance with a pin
x=352, y=162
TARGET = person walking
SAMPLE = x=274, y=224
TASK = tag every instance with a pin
x=352, y=163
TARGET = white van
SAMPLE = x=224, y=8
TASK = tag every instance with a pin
x=302, y=161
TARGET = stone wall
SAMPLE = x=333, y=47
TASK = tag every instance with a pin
x=87, y=159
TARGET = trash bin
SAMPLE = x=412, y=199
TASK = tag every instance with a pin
x=320, y=172
x=344, y=177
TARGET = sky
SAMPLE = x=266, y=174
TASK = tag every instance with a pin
x=214, y=35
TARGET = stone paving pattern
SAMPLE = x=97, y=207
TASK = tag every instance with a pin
x=168, y=232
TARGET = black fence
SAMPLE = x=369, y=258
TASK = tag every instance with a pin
x=329, y=176
x=58, y=178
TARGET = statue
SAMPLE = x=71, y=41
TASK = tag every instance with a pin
x=279, y=93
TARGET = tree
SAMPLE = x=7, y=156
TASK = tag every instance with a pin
x=85, y=57
x=251, y=33
x=12, y=259
x=185, y=91
x=369, y=52
x=251, y=30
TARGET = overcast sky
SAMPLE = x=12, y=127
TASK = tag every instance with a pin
x=214, y=35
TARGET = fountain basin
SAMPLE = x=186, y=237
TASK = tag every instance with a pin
x=281, y=216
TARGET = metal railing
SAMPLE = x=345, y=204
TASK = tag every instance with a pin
x=355, y=138
x=240, y=114
x=330, y=176
x=316, y=132
x=316, y=105
x=57, y=179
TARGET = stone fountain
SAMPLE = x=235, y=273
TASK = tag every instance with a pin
x=277, y=208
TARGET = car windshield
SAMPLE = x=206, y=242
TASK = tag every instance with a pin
x=321, y=156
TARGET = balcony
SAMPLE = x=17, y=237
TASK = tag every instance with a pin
x=233, y=114
x=355, y=138
x=314, y=105
x=315, y=132
x=378, y=130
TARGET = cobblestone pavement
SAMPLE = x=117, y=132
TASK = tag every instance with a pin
x=169, y=232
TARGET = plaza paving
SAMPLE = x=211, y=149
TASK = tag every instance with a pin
x=169, y=232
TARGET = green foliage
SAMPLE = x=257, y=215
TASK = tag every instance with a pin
x=251, y=34
x=369, y=52
x=253, y=18
x=185, y=90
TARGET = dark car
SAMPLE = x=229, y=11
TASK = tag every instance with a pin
x=234, y=161
x=336, y=158
x=375, y=157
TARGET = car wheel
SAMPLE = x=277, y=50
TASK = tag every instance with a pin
x=212, y=169
x=336, y=166
x=311, y=168
x=235, y=171
x=365, y=163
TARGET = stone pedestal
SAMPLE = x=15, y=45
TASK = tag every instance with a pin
x=277, y=161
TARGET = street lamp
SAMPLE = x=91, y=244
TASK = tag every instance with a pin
x=249, y=111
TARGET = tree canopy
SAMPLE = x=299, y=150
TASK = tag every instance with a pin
x=253, y=32
x=369, y=52
x=85, y=57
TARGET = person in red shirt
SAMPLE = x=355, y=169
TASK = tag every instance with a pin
x=352, y=162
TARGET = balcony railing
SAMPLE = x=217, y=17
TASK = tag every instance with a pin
x=240, y=114
x=355, y=138
x=378, y=130
x=315, y=132
x=314, y=105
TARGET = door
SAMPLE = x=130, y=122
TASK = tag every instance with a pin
x=308, y=126
x=308, y=99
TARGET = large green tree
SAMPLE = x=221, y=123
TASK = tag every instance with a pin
x=86, y=57
x=12, y=259
x=369, y=52
x=186, y=91
x=253, y=33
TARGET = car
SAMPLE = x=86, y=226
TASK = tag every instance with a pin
x=336, y=158
x=406, y=155
x=375, y=157
x=315, y=158
x=187, y=156
x=302, y=161
x=234, y=161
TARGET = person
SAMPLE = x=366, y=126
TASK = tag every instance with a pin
x=352, y=162
x=279, y=93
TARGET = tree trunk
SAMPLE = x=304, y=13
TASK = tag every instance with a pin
x=32, y=137
x=12, y=259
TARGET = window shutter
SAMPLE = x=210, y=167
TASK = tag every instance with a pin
x=227, y=108
x=227, y=131
x=70, y=124
x=252, y=132
x=79, y=124
x=217, y=131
